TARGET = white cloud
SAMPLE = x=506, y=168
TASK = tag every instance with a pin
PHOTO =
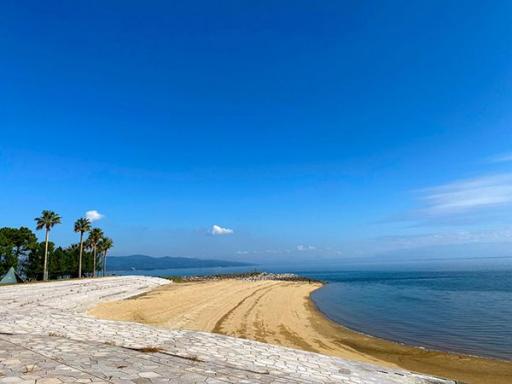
x=217, y=230
x=303, y=248
x=94, y=215
x=469, y=195
x=242, y=252
x=501, y=158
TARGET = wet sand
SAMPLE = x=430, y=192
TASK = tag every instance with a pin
x=282, y=313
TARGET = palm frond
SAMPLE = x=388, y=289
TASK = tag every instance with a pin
x=82, y=225
x=47, y=220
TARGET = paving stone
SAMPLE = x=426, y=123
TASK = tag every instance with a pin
x=47, y=337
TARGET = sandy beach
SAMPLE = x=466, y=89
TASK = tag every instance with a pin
x=281, y=313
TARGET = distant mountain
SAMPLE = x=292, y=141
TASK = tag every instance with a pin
x=143, y=262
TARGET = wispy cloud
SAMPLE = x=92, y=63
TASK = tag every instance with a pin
x=304, y=248
x=217, y=230
x=503, y=158
x=468, y=195
x=447, y=238
x=94, y=215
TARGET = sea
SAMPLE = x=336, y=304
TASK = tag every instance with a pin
x=467, y=312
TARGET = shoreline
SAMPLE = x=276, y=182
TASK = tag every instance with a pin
x=283, y=313
x=314, y=307
x=50, y=337
x=464, y=367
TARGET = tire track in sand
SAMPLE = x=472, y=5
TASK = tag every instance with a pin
x=218, y=326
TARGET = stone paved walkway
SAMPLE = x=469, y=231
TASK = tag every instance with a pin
x=47, y=338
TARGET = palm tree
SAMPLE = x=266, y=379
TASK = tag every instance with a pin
x=95, y=236
x=105, y=244
x=82, y=225
x=47, y=220
x=87, y=246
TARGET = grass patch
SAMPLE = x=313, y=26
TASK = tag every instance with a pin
x=147, y=349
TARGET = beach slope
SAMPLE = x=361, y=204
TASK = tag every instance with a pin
x=281, y=313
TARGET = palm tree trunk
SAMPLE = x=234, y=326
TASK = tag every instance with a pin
x=80, y=258
x=104, y=263
x=45, y=267
x=94, y=263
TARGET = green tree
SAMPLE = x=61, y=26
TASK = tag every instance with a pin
x=34, y=264
x=95, y=236
x=104, y=246
x=87, y=260
x=57, y=263
x=15, y=245
x=5, y=251
x=62, y=262
x=47, y=221
x=72, y=258
x=82, y=225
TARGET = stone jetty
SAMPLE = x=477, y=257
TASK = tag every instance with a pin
x=46, y=337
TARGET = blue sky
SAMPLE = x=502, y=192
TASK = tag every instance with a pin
x=309, y=130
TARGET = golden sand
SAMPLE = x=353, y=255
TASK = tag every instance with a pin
x=282, y=313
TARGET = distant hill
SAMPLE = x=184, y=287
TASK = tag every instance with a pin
x=143, y=262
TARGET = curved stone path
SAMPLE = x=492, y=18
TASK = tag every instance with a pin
x=46, y=337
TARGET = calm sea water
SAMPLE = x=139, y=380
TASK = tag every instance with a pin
x=467, y=312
